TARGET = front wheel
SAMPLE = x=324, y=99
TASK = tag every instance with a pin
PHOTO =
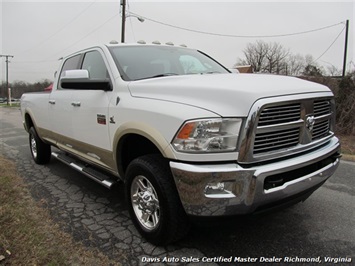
x=40, y=151
x=153, y=200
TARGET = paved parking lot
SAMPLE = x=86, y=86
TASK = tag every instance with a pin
x=323, y=226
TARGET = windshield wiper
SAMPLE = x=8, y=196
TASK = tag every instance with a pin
x=159, y=76
x=163, y=75
x=211, y=72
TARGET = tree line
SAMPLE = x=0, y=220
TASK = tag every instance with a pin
x=20, y=87
x=274, y=58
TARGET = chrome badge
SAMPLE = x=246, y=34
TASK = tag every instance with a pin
x=310, y=121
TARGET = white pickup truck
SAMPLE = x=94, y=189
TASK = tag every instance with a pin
x=186, y=136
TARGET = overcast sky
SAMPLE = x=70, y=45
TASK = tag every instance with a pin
x=37, y=33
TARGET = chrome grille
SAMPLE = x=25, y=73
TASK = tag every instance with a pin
x=285, y=126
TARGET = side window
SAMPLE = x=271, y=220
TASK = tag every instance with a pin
x=95, y=64
x=70, y=64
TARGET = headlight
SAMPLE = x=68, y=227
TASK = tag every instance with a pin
x=208, y=135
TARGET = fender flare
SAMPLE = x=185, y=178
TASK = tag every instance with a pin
x=146, y=131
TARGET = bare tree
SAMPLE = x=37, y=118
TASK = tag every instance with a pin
x=265, y=57
x=276, y=55
x=255, y=55
x=295, y=64
x=333, y=70
x=345, y=105
x=274, y=58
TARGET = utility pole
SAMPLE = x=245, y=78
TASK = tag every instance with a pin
x=345, y=47
x=7, y=75
x=123, y=4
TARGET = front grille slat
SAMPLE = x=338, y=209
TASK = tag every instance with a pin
x=322, y=107
x=279, y=120
x=321, y=130
x=279, y=114
x=271, y=135
x=276, y=140
x=276, y=147
x=278, y=144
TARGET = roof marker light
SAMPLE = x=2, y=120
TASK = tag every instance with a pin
x=141, y=42
x=169, y=43
x=156, y=42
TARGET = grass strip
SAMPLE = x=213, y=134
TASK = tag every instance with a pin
x=27, y=234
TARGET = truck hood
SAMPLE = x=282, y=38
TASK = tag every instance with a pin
x=224, y=94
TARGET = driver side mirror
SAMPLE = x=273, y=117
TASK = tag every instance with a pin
x=79, y=79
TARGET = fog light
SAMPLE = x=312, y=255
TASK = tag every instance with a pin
x=219, y=190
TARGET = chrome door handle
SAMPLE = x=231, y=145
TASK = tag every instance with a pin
x=76, y=104
x=51, y=101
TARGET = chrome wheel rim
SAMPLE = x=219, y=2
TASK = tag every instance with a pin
x=145, y=203
x=33, y=146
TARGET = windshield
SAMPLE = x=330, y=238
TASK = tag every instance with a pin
x=143, y=62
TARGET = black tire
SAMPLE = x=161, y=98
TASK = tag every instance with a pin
x=153, y=201
x=40, y=151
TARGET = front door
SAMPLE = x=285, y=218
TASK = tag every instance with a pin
x=60, y=108
x=90, y=113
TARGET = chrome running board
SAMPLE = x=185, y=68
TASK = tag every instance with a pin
x=90, y=172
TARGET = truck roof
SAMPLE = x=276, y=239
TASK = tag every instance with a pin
x=117, y=44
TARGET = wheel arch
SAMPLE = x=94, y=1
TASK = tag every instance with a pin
x=136, y=140
x=28, y=122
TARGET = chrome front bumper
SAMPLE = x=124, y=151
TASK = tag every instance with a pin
x=229, y=189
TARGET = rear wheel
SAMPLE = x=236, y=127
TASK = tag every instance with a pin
x=40, y=151
x=153, y=200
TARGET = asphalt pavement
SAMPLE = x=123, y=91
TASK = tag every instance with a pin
x=319, y=230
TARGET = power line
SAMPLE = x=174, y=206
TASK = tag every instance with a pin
x=130, y=21
x=36, y=61
x=61, y=29
x=91, y=32
x=236, y=36
x=74, y=43
x=329, y=46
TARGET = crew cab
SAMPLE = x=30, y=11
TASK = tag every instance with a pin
x=185, y=135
